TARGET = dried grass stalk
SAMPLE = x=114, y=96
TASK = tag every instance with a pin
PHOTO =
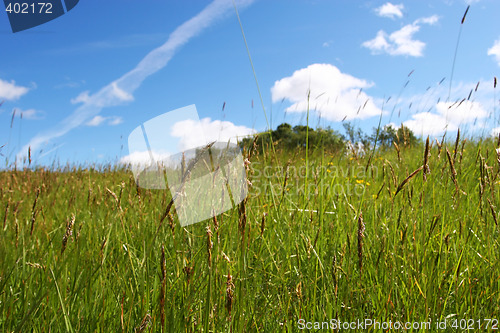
x=413, y=174
x=209, y=246
x=426, y=160
x=144, y=324
x=397, y=150
x=452, y=168
x=34, y=211
x=493, y=213
x=455, y=150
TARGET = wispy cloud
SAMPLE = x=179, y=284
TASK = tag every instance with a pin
x=68, y=83
x=495, y=51
x=401, y=42
x=430, y=20
x=84, y=97
x=113, y=121
x=327, y=43
x=10, y=91
x=99, y=120
x=122, y=42
x=334, y=95
x=390, y=10
x=96, y=121
x=53, y=149
x=30, y=114
x=121, y=90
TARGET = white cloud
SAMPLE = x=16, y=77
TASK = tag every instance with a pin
x=121, y=90
x=189, y=134
x=223, y=131
x=98, y=120
x=379, y=43
x=461, y=112
x=10, y=91
x=495, y=51
x=471, y=108
x=449, y=116
x=426, y=123
x=495, y=132
x=401, y=42
x=333, y=94
x=430, y=20
x=144, y=159
x=390, y=10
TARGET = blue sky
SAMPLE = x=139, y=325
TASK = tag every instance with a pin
x=85, y=81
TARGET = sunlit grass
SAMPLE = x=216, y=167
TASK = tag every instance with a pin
x=429, y=252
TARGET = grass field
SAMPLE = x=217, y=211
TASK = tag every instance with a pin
x=321, y=236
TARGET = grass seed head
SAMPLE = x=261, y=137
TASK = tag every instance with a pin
x=361, y=235
x=452, y=167
x=229, y=293
x=397, y=150
x=263, y=224
x=68, y=233
x=455, y=150
x=465, y=15
x=144, y=324
x=298, y=290
x=426, y=159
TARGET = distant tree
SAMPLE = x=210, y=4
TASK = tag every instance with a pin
x=283, y=131
x=283, y=134
x=406, y=137
x=289, y=138
x=356, y=135
x=403, y=136
x=329, y=138
x=386, y=136
x=300, y=132
x=350, y=131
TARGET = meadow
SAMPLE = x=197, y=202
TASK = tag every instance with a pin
x=406, y=233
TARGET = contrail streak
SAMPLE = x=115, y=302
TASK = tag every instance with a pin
x=120, y=90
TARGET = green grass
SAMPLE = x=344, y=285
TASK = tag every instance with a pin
x=430, y=252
